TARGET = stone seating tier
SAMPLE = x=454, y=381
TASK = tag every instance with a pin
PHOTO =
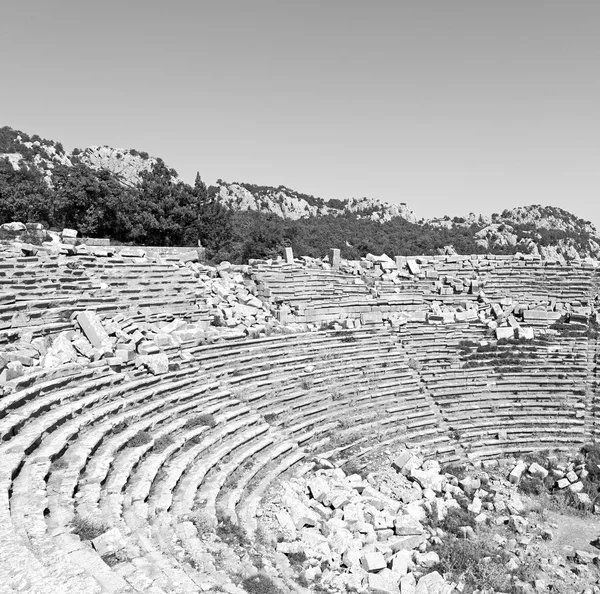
x=143, y=453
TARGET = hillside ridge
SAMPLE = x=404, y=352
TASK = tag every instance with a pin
x=536, y=229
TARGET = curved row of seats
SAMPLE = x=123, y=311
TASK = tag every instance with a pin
x=496, y=411
x=41, y=294
x=218, y=429
x=154, y=459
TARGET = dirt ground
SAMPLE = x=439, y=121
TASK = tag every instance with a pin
x=574, y=531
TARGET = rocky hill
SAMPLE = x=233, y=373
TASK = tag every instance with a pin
x=539, y=230
x=290, y=204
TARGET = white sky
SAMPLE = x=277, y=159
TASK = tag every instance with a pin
x=450, y=107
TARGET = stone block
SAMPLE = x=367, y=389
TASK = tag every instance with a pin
x=407, y=526
x=413, y=267
x=384, y=582
x=334, y=258
x=515, y=476
x=289, y=255
x=505, y=333
x=536, y=470
x=157, y=364
x=373, y=561
x=91, y=326
x=109, y=543
x=576, y=487
x=69, y=233
x=319, y=488
x=526, y=333
x=408, y=584
x=433, y=583
x=401, y=561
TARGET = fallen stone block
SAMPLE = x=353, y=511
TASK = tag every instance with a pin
x=505, y=333
x=91, y=326
x=516, y=473
x=408, y=584
x=373, y=561
x=109, y=543
x=157, y=364
x=384, y=582
x=433, y=583
x=537, y=470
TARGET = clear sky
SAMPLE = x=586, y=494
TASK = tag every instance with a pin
x=449, y=106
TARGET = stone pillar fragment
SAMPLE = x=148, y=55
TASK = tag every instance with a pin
x=289, y=255
x=334, y=257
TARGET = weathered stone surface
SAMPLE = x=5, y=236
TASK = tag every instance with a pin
x=433, y=583
x=373, y=561
x=384, y=582
x=156, y=364
x=91, y=326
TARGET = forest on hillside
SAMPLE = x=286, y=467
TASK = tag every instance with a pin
x=163, y=210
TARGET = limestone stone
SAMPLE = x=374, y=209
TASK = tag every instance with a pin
x=433, y=583
x=407, y=526
x=516, y=473
x=408, y=584
x=384, y=582
x=373, y=561
x=91, y=326
x=157, y=364
x=537, y=470
x=401, y=561
x=109, y=543
x=319, y=488
x=505, y=333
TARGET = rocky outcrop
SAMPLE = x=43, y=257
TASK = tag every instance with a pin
x=126, y=165
x=292, y=205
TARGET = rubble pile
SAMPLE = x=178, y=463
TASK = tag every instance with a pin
x=558, y=477
x=382, y=533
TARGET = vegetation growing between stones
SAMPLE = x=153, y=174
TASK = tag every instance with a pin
x=87, y=529
x=139, y=439
x=479, y=564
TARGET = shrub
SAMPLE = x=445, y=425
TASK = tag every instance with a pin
x=455, y=519
x=110, y=559
x=202, y=522
x=59, y=464
x=87, y=529
x=207, y=419
x=162, y=443
x=139, y=439
x=297, y=558
x=306, y=383
x=231, y=533
x=260, y=584
x=532, y=485
x=457, y=470
x=120, y=427
x=477, y=562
